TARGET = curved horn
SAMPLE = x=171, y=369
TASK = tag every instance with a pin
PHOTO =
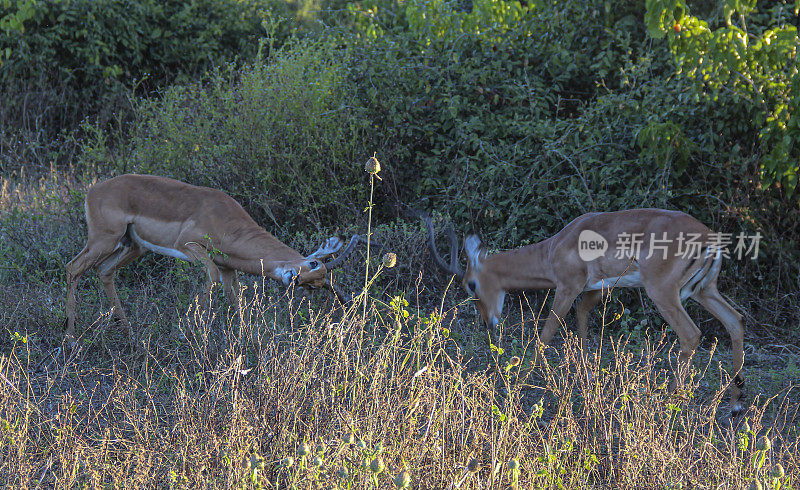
x=330, y=247
x=347, y=251
x=453, y=267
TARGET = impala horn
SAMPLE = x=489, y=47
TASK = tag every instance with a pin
x=452, y=268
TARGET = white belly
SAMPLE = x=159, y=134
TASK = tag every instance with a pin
x=170, y=252
x=632, y=280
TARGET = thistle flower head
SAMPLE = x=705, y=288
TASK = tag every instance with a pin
x=304, y=450
x=389, y=260
x=372, y=166
x=513, y=464
x=474, y=465
x=377, y=466
x=403, y=479
x=764, y=444
x=778, y=471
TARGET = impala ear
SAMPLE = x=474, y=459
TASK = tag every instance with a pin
x=474, y=250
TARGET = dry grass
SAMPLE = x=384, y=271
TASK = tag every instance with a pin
x=400, y=385
x=418, y=387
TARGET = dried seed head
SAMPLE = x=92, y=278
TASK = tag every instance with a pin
x=372, y=166
x=320, y=449
x=377, y=466
x=756, y=485
x=362, y=444
x=514, y=361
x=342, y=473
x=349, y=438
x=403, y=479
x=287, y=462
x=304, y=450
x=389, y=260
x=764, y=444
x=316, y=461
x=474, y=466
x=778, y=471
x=513, y=465
x=256, y=461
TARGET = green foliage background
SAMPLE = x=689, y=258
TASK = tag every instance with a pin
x=512, y=118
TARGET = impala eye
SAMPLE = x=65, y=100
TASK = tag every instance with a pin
x=313, y=264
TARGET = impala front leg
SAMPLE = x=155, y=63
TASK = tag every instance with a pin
x=230, y=284
x=213, y=275
x=585, y=306
x=561, y=305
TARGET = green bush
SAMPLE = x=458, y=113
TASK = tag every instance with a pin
x=750, y=52
x=521, y=126
x=63, y=61
x=283, y=137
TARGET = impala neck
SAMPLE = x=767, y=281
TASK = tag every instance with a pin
x=258, y=253
x=523, y=268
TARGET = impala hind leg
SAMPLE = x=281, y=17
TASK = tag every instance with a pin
x=710, y=298
x=94, y=252
x=669, y=305
x=107, y=270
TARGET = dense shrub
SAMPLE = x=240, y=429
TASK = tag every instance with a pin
x=748, y=49
x=283, y=137
x=63, y=61
x=567, y=109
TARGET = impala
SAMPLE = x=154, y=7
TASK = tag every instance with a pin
x=592, y=254
x=127, y=216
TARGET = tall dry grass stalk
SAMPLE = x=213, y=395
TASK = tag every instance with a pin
x=287, y=404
